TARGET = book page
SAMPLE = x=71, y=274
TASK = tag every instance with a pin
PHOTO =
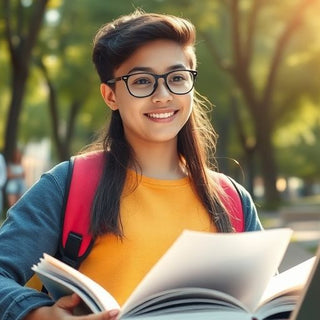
x=58, y=288
x=57, y=269
x=291, y=280
x=239, y=264
x=185, y=300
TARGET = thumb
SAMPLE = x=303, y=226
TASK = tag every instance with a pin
x=68, y=302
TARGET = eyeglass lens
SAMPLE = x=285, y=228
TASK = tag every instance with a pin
x=143, y=84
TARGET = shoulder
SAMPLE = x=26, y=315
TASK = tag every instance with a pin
x=250, y=215
x=87, y=164
x=58, y=175
x=252, y=221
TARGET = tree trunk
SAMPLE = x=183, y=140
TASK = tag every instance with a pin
x=21, y=42
x=62, y=140
x=15, y=107
x=248, y=148
x=265, y=152
x=250, y=169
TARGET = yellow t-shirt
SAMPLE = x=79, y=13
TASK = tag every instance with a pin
x=152, y=216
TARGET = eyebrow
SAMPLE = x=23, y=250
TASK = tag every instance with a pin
x=146, y=69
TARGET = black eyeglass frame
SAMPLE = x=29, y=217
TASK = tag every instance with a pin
x=156, y=77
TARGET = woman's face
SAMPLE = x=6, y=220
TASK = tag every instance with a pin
x=159, y=117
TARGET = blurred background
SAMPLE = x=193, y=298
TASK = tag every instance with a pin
x=258, y=63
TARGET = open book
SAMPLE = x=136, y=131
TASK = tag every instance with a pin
x=201, y=276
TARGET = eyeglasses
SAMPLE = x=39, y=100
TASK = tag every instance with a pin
x=144, y=84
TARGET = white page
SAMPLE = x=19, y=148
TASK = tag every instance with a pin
x=240, y=264
x=178, y=297
x=293, y=278
x=50, y=265
x=59, y=288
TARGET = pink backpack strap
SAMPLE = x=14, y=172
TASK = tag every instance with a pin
x=76, y=239
x=232, y=202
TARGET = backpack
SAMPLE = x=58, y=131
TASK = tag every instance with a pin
x=83, y=179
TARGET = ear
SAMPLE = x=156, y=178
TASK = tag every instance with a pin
x=108, y=96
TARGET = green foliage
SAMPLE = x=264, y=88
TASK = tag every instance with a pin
x=65, y=46
x=298, y=144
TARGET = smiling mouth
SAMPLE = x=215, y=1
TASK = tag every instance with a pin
x=164, y=115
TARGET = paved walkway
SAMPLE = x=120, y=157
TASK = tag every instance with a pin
x=306, y=235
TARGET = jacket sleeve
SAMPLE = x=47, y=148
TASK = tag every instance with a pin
x=32, y=227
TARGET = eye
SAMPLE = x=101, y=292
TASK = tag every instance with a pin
x=177, y=78
x=180, y=76
x=140, y=80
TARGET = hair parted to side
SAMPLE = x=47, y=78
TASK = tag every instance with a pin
x=114, y=43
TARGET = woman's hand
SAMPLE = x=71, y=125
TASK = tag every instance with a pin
x=62, y=310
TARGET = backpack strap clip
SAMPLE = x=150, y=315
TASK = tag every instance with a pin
x=71, y=250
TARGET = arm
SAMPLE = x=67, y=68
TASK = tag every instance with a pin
x=32, y=227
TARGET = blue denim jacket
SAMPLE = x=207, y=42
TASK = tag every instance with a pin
x=33, y=227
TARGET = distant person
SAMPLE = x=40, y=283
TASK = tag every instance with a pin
x=15, y=174
x=3, y=179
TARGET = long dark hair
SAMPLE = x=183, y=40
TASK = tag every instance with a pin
x=113, y=44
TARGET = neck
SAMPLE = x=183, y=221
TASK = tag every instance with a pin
x=160, y=161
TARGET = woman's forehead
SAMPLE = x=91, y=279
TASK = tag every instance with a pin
x=157, y=56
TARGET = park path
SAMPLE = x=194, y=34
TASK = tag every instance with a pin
x=305, y=223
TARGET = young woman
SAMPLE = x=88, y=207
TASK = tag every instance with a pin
x=156, y=179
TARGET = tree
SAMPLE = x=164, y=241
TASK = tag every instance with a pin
x=61, y=138
x=259, y=101
x=71, y=79
x=21, y=33
x=63, y=60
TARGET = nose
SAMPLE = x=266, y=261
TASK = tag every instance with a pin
x=162, y=93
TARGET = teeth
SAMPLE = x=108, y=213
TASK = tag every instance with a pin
x=161, y=115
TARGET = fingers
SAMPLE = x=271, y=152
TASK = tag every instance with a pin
x=68, y=302
x=63, y=310
x=107, y=315
x=112, y=314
